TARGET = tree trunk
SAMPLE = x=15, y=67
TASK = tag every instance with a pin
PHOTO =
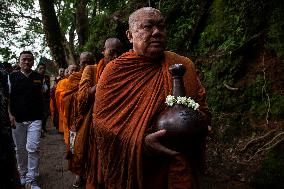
x=82, y=25
x=54, y=38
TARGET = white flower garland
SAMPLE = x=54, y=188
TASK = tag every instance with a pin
x=189, y=102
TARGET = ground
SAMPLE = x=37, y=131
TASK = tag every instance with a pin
x=53, y=165
x=55, y=175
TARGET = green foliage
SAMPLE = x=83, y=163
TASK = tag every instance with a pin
x=254, y=100
x=7, y=54
x=102, y=27
x=181, y=17
x=65, y=11
x=225, y=27
x=277, y=106
x=227, y=34
x=271, y=173
x=221, y=72
x=276, y=31
x=19, y=27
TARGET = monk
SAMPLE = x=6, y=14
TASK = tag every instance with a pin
x=72, y=119
x=59, y=91
x=87, y=88
x=130, y=94
x=111, y=50
x=53, y=108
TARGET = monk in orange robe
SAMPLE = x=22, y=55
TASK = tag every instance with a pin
x=53, y=109
x=91, y=75
x=72, y=120
x=130, y=94
x=60, y=88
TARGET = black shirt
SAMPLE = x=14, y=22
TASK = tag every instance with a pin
x=26, y=99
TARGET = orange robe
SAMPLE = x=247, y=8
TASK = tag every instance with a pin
x=93, y=164
x=69, y=106
x=100, y=68
x=130, y=94
x=82, y=103
x=84, y=118
x=60, y=89
x=53, y=108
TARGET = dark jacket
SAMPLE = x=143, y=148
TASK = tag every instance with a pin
x=26, y=98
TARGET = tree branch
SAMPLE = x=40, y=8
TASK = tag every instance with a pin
x=230, y=88
x=21, y=15
x=267, y=144
x=257, y=139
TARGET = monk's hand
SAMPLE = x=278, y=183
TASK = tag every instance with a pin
x=93, y=90
x=12, y=121
x=152, y=144
x=72, y=137
x=210, y=130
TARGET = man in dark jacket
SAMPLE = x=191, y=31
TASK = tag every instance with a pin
x=26, y=113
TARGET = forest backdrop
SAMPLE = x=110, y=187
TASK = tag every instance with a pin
x=237, y=46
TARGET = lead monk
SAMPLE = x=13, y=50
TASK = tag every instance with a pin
x=130, y=94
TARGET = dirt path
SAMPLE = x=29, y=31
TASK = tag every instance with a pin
x=53, y=167
x=54, y=173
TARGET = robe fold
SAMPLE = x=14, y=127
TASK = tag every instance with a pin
x=130, y=94
x=100, y=68
x=59, y=91
x=54, y=115
x=83, y=122
x=70, y=110
x=93, y=164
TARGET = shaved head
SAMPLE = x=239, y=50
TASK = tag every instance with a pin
x=135, y=17
x=113, y=42
x=147, y=32
x=112, y=49
x=88, y=54
x=66, y=72
x=72, y=68
x=86, y=58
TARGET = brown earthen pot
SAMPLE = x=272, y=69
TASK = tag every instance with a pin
x=185, y=126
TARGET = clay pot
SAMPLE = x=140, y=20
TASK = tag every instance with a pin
x=185, y=126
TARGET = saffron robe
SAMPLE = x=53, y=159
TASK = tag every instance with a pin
x=54, y=115
x=83, y=114
x=93, y=164
x=129, y=96
x=59, y=91
x=100, y=68
x=69, y=106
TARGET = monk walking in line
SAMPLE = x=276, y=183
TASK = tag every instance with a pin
x=130, y=94
x=69, y=106
x=90, y=77
x=53, y=108
x=59, y=91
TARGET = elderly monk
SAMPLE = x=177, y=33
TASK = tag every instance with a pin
x=72, y=120
x=112, y=49
x=130, y=94
x=90, y=77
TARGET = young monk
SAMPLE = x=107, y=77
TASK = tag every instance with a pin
x=90, y=77
x=130, y=94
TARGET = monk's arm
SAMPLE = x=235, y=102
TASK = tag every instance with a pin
x=86, y=92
